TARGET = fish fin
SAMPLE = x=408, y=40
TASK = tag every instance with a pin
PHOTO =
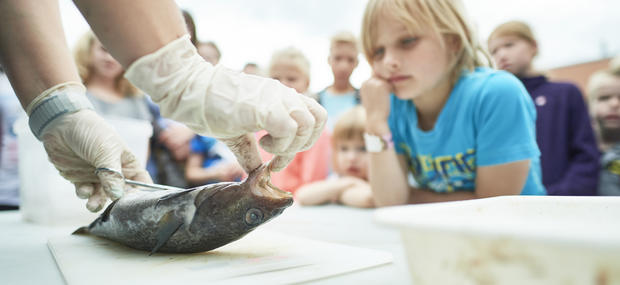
x=102, y=218
x=81, y=231
x=106, y=213
x=173, y=195
x=168, y=225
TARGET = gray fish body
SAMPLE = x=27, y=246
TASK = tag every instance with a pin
x=192, y=220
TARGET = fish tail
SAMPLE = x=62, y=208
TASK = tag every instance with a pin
x=81, y=231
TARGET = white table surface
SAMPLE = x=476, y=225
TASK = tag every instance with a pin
x=25, y=258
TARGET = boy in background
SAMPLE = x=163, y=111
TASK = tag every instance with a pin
x=292, y=68
x=604, y=94
x=341, y=95
x=569, y=156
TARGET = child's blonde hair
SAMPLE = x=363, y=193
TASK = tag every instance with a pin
x=82, y=54
x=442, y=17
x=344, y=37
x=514, y=28
x=291, y=56
x=599, y=77
x=350, y=126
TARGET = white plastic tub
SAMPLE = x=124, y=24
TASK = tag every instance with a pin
x=511, y=240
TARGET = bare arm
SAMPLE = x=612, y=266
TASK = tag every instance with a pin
x=358, y=195
x=321, y=192
x=196, y=174
x=132, y=29
x=496, y=180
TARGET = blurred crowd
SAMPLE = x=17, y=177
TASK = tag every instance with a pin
x=577, y=131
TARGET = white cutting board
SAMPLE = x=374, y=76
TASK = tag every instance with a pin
x=261, y=257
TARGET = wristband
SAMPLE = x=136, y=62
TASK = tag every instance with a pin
x=378, y=143
x=53, y=103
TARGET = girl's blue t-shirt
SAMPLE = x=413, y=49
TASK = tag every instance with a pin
x=488, y=119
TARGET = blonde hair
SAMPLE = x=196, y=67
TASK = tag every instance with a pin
x=514, y=28
x=442, y=17
x=82, y=53
x=599, y=78
x=350, y=126
x=291, y=56
x=344, y=37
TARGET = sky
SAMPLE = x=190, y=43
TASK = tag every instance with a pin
x=568, y=31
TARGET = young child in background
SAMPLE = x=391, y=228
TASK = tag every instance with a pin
x=341, y=95
x=569, y=156
x=210, y=161
x=209, y=51
x=463, y=131
x=604, y=94
x=292, y=68
x=349, y=186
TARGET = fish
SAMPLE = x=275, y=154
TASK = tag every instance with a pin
x=191, y=220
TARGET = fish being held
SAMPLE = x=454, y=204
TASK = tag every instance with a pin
x=191, y=220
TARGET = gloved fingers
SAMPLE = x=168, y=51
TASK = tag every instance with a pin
x=245, y=149
x=112, y=182
x=97, y=200
x=84, y=190
x=281, y=128
x=305, y=128
x=320, y=118
x=132, y=168
x=279, y=162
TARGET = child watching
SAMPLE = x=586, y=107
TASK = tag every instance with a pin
x=341, y=95
x=564, y=132
x=604, y=94
x=292, y=68
x=350, y=185
x=462, y=130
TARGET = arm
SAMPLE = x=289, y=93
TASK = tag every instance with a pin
x=321, y=192
x=581, y=176
x=496, y=180
x=358, y=195
x=196, y=174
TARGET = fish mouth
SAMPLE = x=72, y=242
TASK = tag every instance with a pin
x=260, y=184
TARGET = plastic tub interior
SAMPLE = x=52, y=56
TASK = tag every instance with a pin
x=511, y=240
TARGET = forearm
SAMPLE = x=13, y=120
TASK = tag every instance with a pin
x=420, y=196
x=198, y=175
x=33, y=48
x=132, y=29
x=358, y=196
x=320, y=192
x=387, y=180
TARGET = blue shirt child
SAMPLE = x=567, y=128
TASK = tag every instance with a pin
x=488, y=119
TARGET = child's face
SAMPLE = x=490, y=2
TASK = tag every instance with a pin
x=414, y=64
x=290, y=76
x=343, y=60
x=209, y=53
x=512, y=53
x=351, y=158
x=102, y=63
x=606, y=107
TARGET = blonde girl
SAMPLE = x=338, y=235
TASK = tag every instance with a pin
x=434, y=111
x=350, y=164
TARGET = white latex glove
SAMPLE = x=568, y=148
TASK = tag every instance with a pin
x=79, y=142
x=228, y=104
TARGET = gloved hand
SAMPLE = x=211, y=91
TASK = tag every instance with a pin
x=79, y=142
x=228, y=105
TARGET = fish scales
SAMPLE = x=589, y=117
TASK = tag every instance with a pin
x=191, y=220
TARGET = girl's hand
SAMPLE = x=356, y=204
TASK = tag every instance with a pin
x=376, y=100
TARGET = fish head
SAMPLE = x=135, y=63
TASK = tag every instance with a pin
x=238, y=208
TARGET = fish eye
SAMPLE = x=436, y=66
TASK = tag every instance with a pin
x=253, y=216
